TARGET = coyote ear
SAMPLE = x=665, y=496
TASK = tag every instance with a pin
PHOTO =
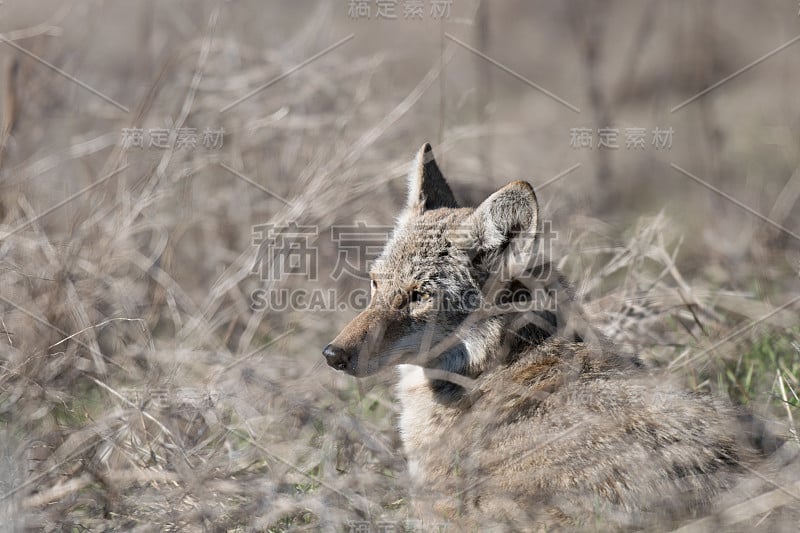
x=427, y=188
x=511, y=211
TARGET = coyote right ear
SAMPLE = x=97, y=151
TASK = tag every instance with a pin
x=510, y=212
x=427, y=188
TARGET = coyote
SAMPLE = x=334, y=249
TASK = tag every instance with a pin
x=514, y=409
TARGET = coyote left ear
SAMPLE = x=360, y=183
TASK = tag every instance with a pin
x=511, y=211
x=427, y=188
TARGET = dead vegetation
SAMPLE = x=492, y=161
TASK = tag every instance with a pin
x=138, y=388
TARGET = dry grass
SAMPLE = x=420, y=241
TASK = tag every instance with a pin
x=140, y=391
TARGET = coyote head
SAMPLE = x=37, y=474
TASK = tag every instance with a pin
x=436, y=275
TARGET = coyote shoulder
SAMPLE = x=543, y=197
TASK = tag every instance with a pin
x=513, y=409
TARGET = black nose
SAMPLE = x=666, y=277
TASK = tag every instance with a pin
x=336, y=357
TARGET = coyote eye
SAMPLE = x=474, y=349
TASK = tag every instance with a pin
x=420, y=296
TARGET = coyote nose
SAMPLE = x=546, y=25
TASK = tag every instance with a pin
x=336, y=357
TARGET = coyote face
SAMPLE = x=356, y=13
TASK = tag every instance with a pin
x=432, y=276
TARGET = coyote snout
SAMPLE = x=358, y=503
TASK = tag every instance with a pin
x=351, y=351
x=553, y=425
x=390, y=331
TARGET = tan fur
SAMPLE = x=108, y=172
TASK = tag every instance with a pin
x=540, y=423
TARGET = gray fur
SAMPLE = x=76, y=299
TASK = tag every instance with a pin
x=545, y=425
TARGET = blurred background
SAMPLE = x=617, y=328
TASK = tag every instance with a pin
x=181, y=188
